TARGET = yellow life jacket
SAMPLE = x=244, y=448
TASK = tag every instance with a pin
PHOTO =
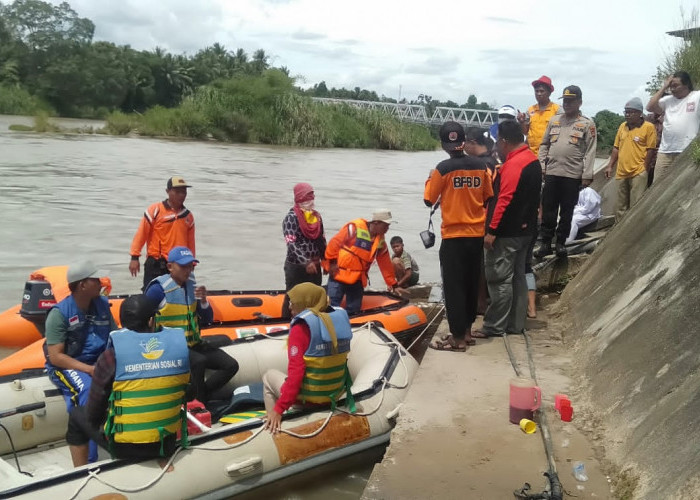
x=180, y=310
x=326, y=377
x=152, y=372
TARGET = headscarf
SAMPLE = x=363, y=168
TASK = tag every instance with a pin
x=313, y=298
x=310, y=221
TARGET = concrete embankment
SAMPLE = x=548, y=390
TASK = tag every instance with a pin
x=453, y=438
x=634, y=313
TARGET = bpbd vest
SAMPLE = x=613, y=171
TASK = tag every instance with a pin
x=152, y=372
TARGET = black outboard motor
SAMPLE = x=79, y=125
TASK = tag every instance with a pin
x=37, y=299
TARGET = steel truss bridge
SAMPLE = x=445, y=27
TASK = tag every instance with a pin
x=416, y=112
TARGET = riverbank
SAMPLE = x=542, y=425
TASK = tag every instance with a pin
x=265, y=109
x=454, y=436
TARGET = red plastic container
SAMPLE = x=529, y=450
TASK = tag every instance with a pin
x=558, y=399
x=566, y=411
x=525, y=398
x=198, y=411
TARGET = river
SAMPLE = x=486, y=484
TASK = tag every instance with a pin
x=70, y=197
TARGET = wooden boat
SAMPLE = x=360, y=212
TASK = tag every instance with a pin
x=224, y=460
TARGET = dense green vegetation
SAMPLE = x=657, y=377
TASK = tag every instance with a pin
x=269, y=109
x=49, y=64
x=607, y=123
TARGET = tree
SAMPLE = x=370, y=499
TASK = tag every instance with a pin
x=39, y=24
x=607, y=123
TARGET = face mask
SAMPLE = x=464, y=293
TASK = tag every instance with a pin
x=307, y=206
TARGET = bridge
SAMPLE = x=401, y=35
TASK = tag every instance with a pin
x=416, y=113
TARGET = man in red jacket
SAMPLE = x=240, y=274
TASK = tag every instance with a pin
x=511, y=223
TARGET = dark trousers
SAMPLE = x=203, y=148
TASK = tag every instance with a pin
x=460, y=266
x=80, y=431
x=505, y=275
x=293, y=275
x=153, y=268
x=204, y=356
x=559, y=197
x=352, y=293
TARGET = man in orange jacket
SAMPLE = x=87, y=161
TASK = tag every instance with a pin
x=350, y=254
x=164, y=226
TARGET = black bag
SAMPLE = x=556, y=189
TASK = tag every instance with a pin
x=428, y=236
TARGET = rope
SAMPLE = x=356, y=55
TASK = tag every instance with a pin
x=93, y=474
x=437, y=315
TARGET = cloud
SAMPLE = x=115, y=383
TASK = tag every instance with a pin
x=432, y=65
x=505, y=20
x=305, y=35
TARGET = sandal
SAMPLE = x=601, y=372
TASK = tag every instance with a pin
x=447, y=345
x=480, y=334
x=469, y=341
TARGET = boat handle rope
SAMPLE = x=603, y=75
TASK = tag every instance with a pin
x=93, y=474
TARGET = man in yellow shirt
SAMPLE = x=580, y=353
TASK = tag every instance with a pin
x=634, y=139
x=534, y=122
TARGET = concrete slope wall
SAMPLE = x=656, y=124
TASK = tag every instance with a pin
x=634, y=314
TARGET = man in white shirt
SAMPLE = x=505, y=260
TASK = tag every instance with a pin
x=681, y=112
x=586, y=211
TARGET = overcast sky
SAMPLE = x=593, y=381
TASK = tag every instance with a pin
x=492, y=49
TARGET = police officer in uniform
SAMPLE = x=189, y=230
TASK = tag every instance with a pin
x=567, y=154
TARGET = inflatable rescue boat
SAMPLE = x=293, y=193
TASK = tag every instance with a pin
x=237, y=314
x=231, y=456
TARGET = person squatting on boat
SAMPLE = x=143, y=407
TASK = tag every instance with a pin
x=350, y=254
x=302, y=228
x=405, y=266
x=134, y=408
x=462, y=183
x=317, y=348
x=77, y=330
x=164, y=226
x=183, y=305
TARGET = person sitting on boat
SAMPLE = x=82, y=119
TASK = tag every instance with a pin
x=350, y=254
x=302, y=228
x=318, y=347
x=77, y=330
x=137, y=360
x=183, y=305
x=405, y=267
x=164, y=225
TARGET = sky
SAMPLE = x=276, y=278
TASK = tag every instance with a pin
x=494, y=50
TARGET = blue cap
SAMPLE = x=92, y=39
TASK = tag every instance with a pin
x=181, y=255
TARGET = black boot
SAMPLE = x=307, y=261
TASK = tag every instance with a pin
x=542, y=250
x=560, y=250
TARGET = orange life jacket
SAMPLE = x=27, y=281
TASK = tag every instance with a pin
x=357, y=253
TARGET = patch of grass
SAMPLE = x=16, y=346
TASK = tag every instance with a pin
x=119, y=123
x=624, y=485
x=21, y=128
x=17, y=101
x=42, y=124
x=695, y=152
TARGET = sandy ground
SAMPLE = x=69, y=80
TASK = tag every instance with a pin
x=453, y=438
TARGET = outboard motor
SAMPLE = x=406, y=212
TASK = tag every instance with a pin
x=37, y=299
